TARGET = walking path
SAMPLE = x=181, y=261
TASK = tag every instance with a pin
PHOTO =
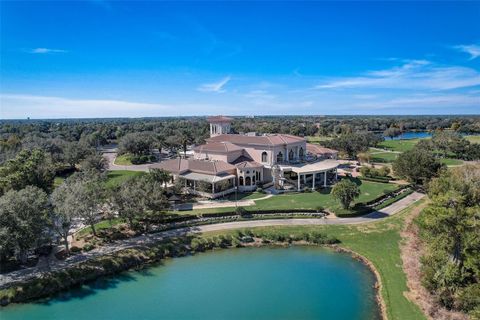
x=24, y=274
x=208, y=204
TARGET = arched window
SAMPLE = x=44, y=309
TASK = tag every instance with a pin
x=264, y=156
x=248, y=181
x=300, y=153
x=280, y=157
x=291, y=155
x=253, y=180
x=240, y=181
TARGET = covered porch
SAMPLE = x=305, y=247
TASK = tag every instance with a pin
x=311, y=175
x=209, y=186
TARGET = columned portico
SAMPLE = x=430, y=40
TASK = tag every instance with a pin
x=307, y=173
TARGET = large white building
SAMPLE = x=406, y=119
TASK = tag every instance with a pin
x=246, y=161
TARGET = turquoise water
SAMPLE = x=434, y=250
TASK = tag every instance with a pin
x=412, y=135
x=249, y=283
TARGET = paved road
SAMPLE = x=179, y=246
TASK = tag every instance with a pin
x=110, y=156
x=37, y=271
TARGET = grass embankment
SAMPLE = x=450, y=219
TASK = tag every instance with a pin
x=123, y=160
x=115, y=178
x=379, y=242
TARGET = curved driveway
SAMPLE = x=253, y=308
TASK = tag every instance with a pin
x=147, y=239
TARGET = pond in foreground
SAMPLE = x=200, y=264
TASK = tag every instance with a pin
x=249, y=283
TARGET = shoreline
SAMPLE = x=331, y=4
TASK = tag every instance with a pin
x=140, y=259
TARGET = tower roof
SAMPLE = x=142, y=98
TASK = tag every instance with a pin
x=219, y=119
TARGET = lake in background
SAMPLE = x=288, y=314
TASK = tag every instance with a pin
x=247, y=283
x=412, y=135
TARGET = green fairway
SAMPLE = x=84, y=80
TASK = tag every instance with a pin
x=123, y=160
x=379, y=243
x=399, y=145
x=473, y=139
x=309, y=200
x=384, y=157
x=115, y=178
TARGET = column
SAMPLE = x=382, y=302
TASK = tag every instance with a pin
x=298, y=176
x=325, y=178
x=336, y=174
x=313, y=181
x=194, y=185
x=213, y=188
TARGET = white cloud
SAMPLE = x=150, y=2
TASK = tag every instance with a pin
x=412, y=75
x=473, y=50
x=46, y=50
x=214, y=87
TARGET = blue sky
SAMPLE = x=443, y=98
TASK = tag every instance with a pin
x=65, y=59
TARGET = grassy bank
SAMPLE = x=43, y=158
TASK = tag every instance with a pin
x=123, y=160
x=379, y=243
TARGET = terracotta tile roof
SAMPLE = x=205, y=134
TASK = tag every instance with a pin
x=248, y=164
x=242, y=158
x=217, y=147
x=266, y=140
x=179, y=165
x=216, y=119
x=316, y=149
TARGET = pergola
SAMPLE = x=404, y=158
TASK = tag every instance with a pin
x=302, y=170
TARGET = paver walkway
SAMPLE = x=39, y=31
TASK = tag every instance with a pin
x=37, y=271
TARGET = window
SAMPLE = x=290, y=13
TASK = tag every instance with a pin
x=248, y=181
x=240, y=181
x=264, y=156
x=291, y=155
x=300, y=153
x=280, y=157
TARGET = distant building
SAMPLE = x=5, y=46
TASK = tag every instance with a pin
x=247, y=161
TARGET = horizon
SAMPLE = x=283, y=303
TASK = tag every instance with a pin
x=117, y=59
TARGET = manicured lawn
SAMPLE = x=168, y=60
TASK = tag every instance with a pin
x=114, y=178
x=379, y=243
x=384, y=157
x=245, y=196
x=399, y=145
x=124, y=160
x=317, y=139
x=473, y=139
x=309, y=200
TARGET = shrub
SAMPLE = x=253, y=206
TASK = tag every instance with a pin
x=75, y=249
x=241, y=211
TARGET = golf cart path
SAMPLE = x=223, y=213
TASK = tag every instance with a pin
x=24, y=274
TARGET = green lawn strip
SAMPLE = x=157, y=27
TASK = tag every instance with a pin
x=124, y=160
x=244, y=196
x=104, y=224
x=451, y=162
x=379, y=243
x=115, y=178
